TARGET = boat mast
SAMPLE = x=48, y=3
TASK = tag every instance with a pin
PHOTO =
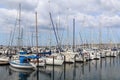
x=32, y=39
x=67, y=30
x=19, y=35
x=90, y=42
x=73, y=35
x=100, y=37
x=36, y=32
x=54, y=30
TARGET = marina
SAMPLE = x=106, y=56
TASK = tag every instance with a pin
x=106, y=68
x=55, y=65
x=60, y=40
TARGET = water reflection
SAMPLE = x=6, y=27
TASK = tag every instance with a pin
x=103, y=69
x=21, y=74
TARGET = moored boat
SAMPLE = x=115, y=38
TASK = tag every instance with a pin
x=4, y=60
x=24, y=61
x=18, y=64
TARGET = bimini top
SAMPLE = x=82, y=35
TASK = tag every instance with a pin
x=45, y=53
x=23, y=52
x=25, y=59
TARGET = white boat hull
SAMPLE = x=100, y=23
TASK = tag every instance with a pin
x=40, y=64
x=49, y=61
x=4, y=58
x=80, y=58
x=113, y=53
x=97, y=55
x=17, y=64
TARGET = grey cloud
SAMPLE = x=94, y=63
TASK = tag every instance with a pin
x=14, y=4
x=94, y=10
x=45, y=28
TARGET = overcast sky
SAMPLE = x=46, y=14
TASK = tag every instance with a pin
x=90, y=16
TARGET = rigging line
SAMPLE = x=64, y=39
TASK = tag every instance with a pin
x=118, y=36
x=53, y=28
x=57, y=26
x=22, y=32
x=80, y=37
x=37, y=4
x=113, y=34
x=61, y=37
x=13, y=34
x=49, y=5
x=57, y=32
x=10, y=38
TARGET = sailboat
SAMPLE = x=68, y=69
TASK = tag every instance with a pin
x=70, y=54
x=22, y=61
x=23, y=58
x=54, y=58
x=39, y=61
x=4, y=59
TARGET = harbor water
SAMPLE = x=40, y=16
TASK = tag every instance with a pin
x=104, y=69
